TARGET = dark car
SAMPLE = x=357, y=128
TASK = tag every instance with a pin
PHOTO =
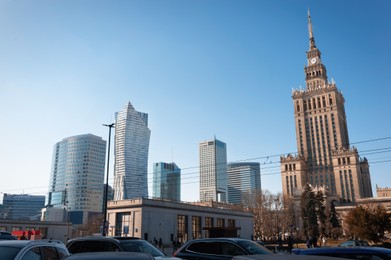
x=5, y=235
x=347, y=252
x=260, y=242
x=105, y=244
x=355, y=243
x=284, y=257
x=219, y=248
x=111, y=256
x=32, y=249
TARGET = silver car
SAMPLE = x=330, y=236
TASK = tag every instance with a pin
x=32, y=249
x=122, y=244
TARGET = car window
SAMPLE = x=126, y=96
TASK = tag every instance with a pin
x=75, y=247
x=32, y=254
x=91, y=246
x=140, y=246
x=62, y=253
x=8, y=252
x=231, y=249
x=253, y=248
x=109, y=246
x=49, y=253
x=84, y=247
x=205, y=248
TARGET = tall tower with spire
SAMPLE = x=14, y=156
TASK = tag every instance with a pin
x=325, y=157
x=131, y=146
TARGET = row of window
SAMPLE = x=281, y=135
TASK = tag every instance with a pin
x=314, y=103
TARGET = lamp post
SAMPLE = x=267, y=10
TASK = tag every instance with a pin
x=107, y=183
x=277, y=204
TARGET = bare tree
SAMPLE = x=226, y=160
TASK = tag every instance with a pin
x=262, y=205
x=93, y=226
x=369, y=222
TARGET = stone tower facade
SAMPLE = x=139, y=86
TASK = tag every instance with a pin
x=325, y=157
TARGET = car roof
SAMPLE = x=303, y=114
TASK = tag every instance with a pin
x=283, y=257
x=7, y=237
x=110, y=255
x=14, y=243
x=127, y=238
x=91, y=238
x=355, y=249
x=220, y=239
x=23, y=243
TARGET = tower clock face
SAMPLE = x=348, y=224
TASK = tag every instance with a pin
x=313, y=60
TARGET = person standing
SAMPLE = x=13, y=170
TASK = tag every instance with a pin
x=160, y=244
x=308, y=242
x=23, y=237
x=324, y=241
x=290, y=244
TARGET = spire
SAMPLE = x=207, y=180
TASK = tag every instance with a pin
x=312, y=39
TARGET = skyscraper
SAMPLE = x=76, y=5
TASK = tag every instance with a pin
x=244, y=178
x=166, y=181
x=22, y=206
x=325, y=157
x=213, y=171
x=76, y=180
x=131, y=146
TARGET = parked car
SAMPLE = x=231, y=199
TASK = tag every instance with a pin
x=356, y=252
x=32, y=249
x=284, y=257
x=111, y=256
x=5, y=235
x=260, y=242
x=355, y=243
x=219, y=248
x=104, y=244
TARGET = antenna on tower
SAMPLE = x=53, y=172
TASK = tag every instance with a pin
x=311, y=34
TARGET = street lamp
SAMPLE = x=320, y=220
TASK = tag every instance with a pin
x=107, y=183
x=277, y=204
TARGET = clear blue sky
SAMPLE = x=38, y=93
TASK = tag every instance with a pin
x=199, y=69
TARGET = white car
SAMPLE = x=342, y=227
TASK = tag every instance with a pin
x=32, y=249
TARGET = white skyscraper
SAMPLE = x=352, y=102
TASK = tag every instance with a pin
x=76, y=179
x=213, y=171
x=131, y=146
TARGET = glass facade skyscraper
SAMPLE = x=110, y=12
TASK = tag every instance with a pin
x=131, y=147
x=166, y=181
x=244, y=178
x=77, y=176
x=23, y=206
x=213, y=171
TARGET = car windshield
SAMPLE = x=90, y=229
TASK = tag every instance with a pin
x=141, y=246
x=9, y=252
x=253, y=248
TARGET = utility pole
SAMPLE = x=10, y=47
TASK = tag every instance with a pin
x=105, y=224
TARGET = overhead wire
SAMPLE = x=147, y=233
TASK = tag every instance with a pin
x=267, y=165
